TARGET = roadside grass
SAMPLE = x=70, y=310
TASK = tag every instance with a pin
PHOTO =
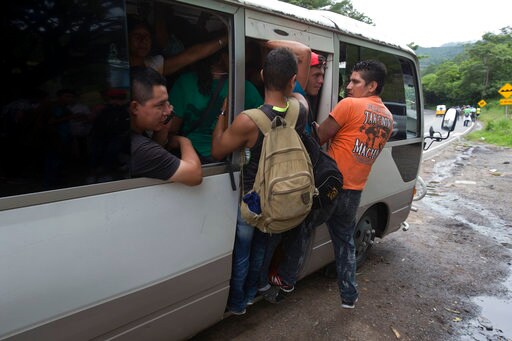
x=497, y=129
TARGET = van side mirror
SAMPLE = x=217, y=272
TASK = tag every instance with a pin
x=448, y=124
x=449, y=119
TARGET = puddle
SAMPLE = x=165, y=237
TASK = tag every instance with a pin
x=493, y=323
x=498, y=311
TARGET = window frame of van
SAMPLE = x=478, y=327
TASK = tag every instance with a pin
x=228, y=167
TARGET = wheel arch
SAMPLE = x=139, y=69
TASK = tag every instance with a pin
x=370, y=224
x=382, y=218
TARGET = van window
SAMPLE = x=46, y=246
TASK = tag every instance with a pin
x=191, y=48
x=63, y=121
x=400, y=93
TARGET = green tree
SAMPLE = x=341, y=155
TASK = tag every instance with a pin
x=343, y=7
x=493, y=56
x=444, y=86
x=476, y=73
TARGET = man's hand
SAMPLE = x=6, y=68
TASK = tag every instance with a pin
x=175, y=141
x=189, y=172
x=162, y=136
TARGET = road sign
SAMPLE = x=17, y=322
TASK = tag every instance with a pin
x=506, y=90
x=506, y=101
x=482, y=103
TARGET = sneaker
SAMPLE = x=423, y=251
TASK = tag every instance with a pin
x=274, y=295
x=236, y=312
x=348, y=304
x=263, y=289
x=279, y=282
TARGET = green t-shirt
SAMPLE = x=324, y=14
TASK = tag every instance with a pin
x=189, y=104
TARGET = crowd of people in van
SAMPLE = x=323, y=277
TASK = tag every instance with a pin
x=178, y=120
x=192, y=119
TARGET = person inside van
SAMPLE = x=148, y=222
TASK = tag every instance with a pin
x=149, y=108
x=140, y=45
x=314, y=84
x=198, y=96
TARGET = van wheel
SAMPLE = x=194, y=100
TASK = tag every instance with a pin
x=364, y=236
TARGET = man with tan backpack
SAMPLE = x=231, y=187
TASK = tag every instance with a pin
x=279, y=75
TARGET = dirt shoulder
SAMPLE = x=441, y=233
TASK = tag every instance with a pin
x=415, y=285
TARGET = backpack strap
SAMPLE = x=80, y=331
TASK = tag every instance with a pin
x=260, y=118
x=194, y=125
x=263, y=122
x=292, y=114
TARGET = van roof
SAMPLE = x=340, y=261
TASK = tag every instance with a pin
x=327, y=19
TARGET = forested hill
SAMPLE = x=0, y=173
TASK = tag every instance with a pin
x=437, y=55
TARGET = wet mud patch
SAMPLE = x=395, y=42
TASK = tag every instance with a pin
x=470, y=188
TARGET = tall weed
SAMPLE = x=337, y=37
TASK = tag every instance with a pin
x=497, y=128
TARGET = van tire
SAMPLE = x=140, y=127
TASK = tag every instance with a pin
x=364, y=235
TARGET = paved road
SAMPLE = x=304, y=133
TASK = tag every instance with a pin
x=430, y=119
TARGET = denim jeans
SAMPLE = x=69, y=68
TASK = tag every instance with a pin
x=248, y=255
x=341, y=228
x=295, y=244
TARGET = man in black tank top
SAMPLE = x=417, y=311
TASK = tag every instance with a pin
x=279, y=74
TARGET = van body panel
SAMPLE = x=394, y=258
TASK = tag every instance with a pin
x=263, y=26
x=98, y=248
x=172, y=300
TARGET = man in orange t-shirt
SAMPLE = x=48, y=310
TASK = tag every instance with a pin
x=358, y=127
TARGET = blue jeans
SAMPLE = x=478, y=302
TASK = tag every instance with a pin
x=295, y=244
x=341, y=228
x=248, y=255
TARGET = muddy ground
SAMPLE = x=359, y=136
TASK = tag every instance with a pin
x=422, y=284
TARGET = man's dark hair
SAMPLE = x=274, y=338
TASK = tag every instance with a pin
x=372, y=70
x=279, y=67
x=143, y=80
x=322, y=61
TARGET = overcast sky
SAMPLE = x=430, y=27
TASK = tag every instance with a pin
x=431, y=23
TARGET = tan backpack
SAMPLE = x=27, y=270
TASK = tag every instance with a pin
x=284, y=181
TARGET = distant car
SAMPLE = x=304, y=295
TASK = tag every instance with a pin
x=440, y=109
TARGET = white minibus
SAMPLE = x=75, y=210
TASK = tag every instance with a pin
x=86, y=251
